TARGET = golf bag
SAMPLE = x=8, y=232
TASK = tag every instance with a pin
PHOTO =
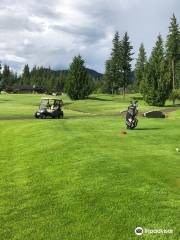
x=131, y=120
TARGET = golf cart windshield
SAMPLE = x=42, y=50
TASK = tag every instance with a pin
x=44, y=104
x=48, y=103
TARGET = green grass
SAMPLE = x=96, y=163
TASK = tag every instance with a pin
x=25, y=105
x=81, y=179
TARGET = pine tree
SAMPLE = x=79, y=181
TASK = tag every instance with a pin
x=15, y=77
x=26, y=75
x=113, y=72
x=48, y=78
x=6, y=76
x=156, y=87
x=39, y=76
x=12, y=78
x=126, y=62
x=140, y=66
x=173, y=48
x=33, y=76
x=78, y=83
x=109, y=83
x=116, y=60
x=61, y=78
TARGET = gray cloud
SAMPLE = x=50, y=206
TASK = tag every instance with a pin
x=51, y=33
x=88, y=34
x=45, y=10
x=16, y=23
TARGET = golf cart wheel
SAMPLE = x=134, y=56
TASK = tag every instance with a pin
x=35, y=115
x=43, y=116
x=132, y=127
x=62, y=114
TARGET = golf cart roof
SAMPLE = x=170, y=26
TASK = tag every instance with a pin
x=57, y=99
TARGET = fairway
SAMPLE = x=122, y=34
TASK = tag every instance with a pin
x=25, y=105
x=81, y=179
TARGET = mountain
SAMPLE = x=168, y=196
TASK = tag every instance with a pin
x=91, y=72
x=94, y=73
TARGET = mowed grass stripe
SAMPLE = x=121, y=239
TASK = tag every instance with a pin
x=82, y=179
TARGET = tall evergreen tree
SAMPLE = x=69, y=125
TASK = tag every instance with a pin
x=61, y=78
x=48, y=78
x=109, y=83
x=126, y=62
x=33, y=74
x=173, y=48
x=156, y=87
x=116, y=60
x=15, y=77
x=12, y=78
x=113, y=72
x=140, y=66
x=78, y=83
x=26, y=75
x=6, y=76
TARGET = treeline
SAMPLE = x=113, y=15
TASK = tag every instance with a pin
x=118, y=73
x=46, y=78
x=38, y=76
x=7, y=76
x=156, y=77
x=43, y=77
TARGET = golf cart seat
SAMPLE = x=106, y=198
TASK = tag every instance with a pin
x=50, y=107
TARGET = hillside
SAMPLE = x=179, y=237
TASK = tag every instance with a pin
x=91, y=72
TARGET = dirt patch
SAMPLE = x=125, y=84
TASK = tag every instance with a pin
x=172, y=109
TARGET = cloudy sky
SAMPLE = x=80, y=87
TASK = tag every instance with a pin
x=51, y=32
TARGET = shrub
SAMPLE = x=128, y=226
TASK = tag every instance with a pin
x=175, y=95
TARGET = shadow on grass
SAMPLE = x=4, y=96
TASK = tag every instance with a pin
x=146, y=129
x=137, y=98
x=67, y=103
x=5, y=100
x=173, y=106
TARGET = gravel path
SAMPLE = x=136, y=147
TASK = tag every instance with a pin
x=123, y=113
x=66, y=117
